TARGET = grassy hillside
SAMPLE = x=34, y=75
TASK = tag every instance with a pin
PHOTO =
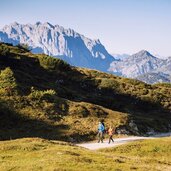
x=143, y=155
x=45, y=97
x=39, y=154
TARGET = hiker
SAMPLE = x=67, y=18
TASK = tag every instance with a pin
x=104, y=126
x=100, y=132
x=110, y=132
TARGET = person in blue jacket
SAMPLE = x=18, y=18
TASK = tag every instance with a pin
x=101, y=130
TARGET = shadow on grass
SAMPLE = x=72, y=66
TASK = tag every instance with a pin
x=13, y=125
x=75, y=86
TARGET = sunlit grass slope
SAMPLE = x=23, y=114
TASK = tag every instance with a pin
x=143, y=155
x=39, y=154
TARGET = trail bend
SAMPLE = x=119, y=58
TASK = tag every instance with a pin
x=119, y=141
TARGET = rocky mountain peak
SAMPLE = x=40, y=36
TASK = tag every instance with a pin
x=143, y=53
x=59, y=42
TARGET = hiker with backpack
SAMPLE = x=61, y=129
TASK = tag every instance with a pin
x=104, y=131
x=101, y=130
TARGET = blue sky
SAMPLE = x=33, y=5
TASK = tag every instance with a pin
x=123, y=26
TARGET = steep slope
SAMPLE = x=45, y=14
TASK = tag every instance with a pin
x=136, y=65
x=41, y=96
x=59, y=42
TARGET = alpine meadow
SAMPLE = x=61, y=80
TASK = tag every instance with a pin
x=45, y=97
x=85, y=85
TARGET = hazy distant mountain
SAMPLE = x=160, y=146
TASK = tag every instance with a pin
x=57, y=41
x=135, y=65
x=120, y=56
x=143, y=66
x=166, y=67
x=155, y=77
x=161, y=74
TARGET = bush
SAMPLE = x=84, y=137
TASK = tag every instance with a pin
x=109, y=83
x=41, y=95
x=8, y=81
x=4, y=51
x=168, y=85
x=51, y=63
x=25, y=47
x=133, y=81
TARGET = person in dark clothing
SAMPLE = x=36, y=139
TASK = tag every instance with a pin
x=104, y=131
x=103, y=125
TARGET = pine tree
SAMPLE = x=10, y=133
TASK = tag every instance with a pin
x=8, y=81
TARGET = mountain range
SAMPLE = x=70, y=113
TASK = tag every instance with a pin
x=59, y=42
x=143, y=66
x=78, y=50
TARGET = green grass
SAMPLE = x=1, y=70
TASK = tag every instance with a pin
x=144, y=155
x=39, y=154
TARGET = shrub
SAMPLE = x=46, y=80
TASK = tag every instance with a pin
x=163, y=85
x=41, y=95
x=51, y=63
x=25, y=47
x=4, y=51
x=133, y=81
x=109, y=83
x=8, y=81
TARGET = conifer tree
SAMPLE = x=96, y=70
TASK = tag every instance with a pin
x=8, y=81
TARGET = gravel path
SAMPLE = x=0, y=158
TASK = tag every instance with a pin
x=118, y=141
